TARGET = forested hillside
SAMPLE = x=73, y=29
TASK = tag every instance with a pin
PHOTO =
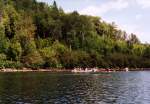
x=36, y=35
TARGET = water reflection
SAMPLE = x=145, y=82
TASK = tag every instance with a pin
x=66, y=88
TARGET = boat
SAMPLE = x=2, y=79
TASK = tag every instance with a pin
x=126, y=69
x=95, y=69
x=86, y=70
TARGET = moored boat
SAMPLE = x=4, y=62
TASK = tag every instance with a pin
x=126, y=69
x=86, y=70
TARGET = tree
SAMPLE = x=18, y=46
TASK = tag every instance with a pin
x=14, y=51
x=25, y=27
x=33, y=60
x=11, y=17
x=1, y=10
x=55, y=6
x=146, y=52
x=35, y=34
x=133, y=39
x=4, y=42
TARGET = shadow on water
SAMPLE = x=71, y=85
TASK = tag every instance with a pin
x=69, y=88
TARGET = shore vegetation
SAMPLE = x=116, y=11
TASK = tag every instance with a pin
x=37, y=35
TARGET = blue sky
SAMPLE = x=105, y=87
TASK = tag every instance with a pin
x=130, y=15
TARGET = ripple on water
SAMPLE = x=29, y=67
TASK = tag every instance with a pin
x=53, y=88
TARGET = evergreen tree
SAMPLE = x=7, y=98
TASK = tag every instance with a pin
x=34, y=34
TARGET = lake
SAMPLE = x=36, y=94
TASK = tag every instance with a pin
x=70, y=88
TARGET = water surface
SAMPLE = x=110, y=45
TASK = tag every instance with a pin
x=69, y=88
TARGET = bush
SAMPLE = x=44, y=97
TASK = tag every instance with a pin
x=50, y=57
x=4, y=43
x=43, y=43
x=10, y=64
x=53, y=55
x=73, y=59
x=3, y=57
x=14, y=51
x=33, y=59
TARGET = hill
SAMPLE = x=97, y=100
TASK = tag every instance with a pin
x=36, y=35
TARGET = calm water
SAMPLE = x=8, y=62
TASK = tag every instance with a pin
x=67, y=88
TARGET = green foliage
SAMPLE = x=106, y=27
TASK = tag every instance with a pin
x=52, y=55
x=25, y=27
x=75, y=59
x=49, y=56
x=10, y=21
x=10, y=64
x=4, y=44
x=14, y=51
x=33, y=59
x=34, y=34
x=3, y=57
x=146, y=52
x=42, y=43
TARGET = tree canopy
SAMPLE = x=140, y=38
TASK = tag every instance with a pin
x=37, y=35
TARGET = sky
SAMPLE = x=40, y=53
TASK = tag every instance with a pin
x=130, y=15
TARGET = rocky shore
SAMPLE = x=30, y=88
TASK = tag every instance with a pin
x=33, y=70
x=70, y=70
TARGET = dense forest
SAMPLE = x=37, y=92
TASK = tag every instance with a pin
x=37, y=35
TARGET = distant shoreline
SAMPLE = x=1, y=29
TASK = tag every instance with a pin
x=69, y=70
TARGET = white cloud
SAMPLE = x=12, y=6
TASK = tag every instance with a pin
x=91, y=10
x=144, y=3
x=138, y=16
x=136, y=29
x=132, y=28
x=116, y=5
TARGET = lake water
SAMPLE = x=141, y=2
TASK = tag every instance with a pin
x=69, y=88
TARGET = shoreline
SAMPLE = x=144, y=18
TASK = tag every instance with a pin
x=32, y=70
x=70, y=70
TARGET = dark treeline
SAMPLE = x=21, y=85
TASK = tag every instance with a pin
x=34, y=34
